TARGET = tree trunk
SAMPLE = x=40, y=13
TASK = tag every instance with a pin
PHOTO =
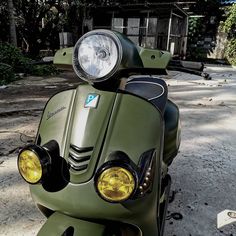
x=13, y=38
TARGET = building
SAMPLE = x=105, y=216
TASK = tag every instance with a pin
x=163, y=24
x=160, y=24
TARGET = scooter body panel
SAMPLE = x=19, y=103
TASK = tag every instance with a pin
x=70, y=225
x=101, y=154
x=54, y=122
x=119, y=122
x=69, y=122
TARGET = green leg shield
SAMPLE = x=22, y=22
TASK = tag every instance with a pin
x=59, y=224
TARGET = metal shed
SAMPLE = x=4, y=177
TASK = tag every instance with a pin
x=162, y=25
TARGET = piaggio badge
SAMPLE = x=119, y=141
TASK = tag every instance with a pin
x=92, y=100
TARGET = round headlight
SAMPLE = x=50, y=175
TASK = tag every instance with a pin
x=33, y=163
x=97, y=55
x=30, y=167
x=116, y=184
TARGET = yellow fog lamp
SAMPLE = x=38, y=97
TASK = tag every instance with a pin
x=33, y=164
x=116, y=183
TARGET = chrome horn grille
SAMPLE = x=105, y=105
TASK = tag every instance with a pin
x=79, y=158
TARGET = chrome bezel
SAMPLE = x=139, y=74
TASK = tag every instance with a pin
x=76, y=65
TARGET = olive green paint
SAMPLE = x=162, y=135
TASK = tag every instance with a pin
x=133, y=126
x=89, y=126
x=150, y=58
x=81, y=227
x=120, y=122
x=63, y=56
x=55, y=120
x=153, y=58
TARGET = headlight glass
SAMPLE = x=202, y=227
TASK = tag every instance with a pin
x=116, y=184
x=30, y=167
x=96, y=56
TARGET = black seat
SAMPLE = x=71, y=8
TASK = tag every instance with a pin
x=151, y=88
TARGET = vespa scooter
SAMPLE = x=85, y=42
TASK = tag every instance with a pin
x=99, y=165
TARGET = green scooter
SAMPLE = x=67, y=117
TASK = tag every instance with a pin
x=99, y=165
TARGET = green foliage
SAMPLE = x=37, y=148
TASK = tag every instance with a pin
x=12, y=56
x=203, y=27
x=230, y=23
x=43, y=70
x=196, y=32
x=6, y=74
x=12, y=61
x=195, y=29
x=229, y=26
x=231, y=51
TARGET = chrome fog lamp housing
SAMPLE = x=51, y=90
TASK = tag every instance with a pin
x=97, y=55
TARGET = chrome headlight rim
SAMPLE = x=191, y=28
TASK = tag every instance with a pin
x=78, y=68
x=44, y=159
x=109, y=165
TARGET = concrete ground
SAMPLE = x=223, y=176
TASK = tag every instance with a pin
x=203, y=173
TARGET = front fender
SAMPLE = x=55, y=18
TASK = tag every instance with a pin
x=58, y=224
